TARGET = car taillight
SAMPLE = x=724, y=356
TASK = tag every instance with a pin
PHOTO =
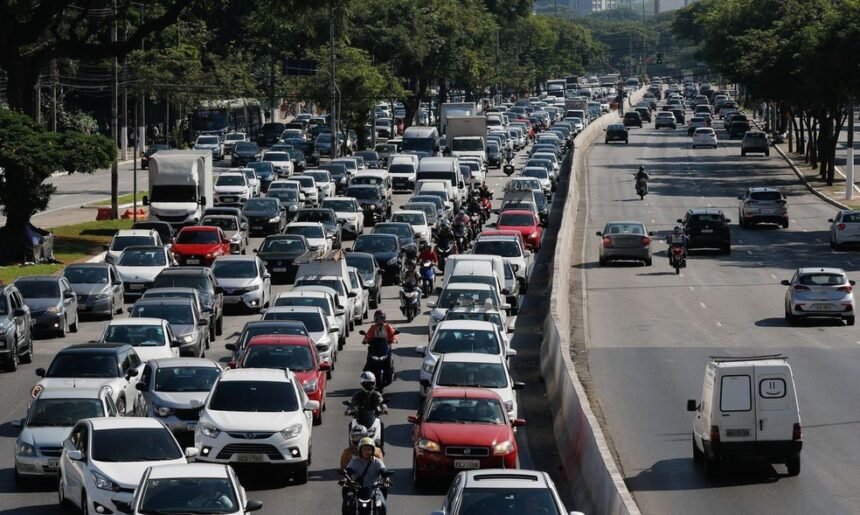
x=645, y=241
x=796, y=432
x=841, y=227
x=845, y=289
x=715, y=434
x=607, y=242
x=798, y=287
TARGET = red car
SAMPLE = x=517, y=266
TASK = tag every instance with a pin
x=295, y=352
x=200, y=245
x=459, y=429
x=526, y=222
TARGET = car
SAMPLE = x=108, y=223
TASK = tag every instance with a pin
x=308, y=187
x=164, y=229
x=267, y=403
x=443, y=210
x=526, y=222
x=328, y=218
x=16, y=334
x=844, y=228
x=417, y=220
x=763, y=205
x=138, y=266
x=231, y=139
x=144, y=159
x=665, y=119
x=502, y=491
x=244, y=280
x=461, y=428
x=251, y=176
x=632, y=119
x=98, y=286
x=186, y=322
x=224, y=210
x=200, y=245
x=644, y=113
x=707, y=228
x=260, y=327
x=280, y=160
x=265, y=173
x=755, y=141
x=345, y=296
x=185, y=293
x=294, y=353
x=49, y=420
x=402, y=230
x=265, y=215
x=625, y=240
x=737, y=126
x=679, y=114
x=479, y=370
x=231, y=189
x=93, y=365
x=269, y=133
x=152, y=338
x=315, y=233
x=362, y=298
x=130, y=238
x=375, y=204
x=463, y=294
x=324, y=298
x=385, y=248
x=704, y=137
x=235, y=230
x=52, y=302
x=211, y=143
x=297, y=156
x=616, y=132
x=201, y=279
x=542, y=174
x=819, y=292
x=324, y=182
x=696, y=122
x=317, y=324
x=370, y=275
x=98, y=460
x=244, y=152
x=348, y=212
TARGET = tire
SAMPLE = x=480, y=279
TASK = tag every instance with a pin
x=785, y=224
x=121, y=407
x=28, y=358
x=711, y=466
x=85, y=505
x=649, y=262
x=849, y=320
x=727, y=249
x=603, y=262
x=61, y=495
x=698, y=456
x=743, y=153
x=789, y=317
x=112, y=310
x=300, y=473
x=417, y=478
x=219, y=325
x=793, y=466
x=61, y=333
x=74, y=327
x=12, y=364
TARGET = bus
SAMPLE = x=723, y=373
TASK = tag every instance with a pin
x=223, y=116
x=555, y=88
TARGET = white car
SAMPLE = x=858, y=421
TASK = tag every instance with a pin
x=362, y=299
x=280, y=161
x=463, y=294
x=211, y=143
x=305, y=296
x=343, y=291
x=308, y=186
x=245, y=281
x=192, y=488
x=130, y=238
x=418, y=221
x=106, y=457
x=231, y=138
x=845, y=228
x=49, y=420
x=556, y=167
x=470, y=369
x=152, y=338
x=510, y=249
x=286, y=185
x=317, y=324
x=269, y=405
x=315, y=233
x=819, y=292
x=251, y=176
x=704, y=137
x=233, y=228
x=348, y=212
x=138, y=267
x=325, y=184
x=231, y=189
x=578, y=125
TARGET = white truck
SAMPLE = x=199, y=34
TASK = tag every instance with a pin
x=467, y=136
x=454, y=109
x=180, y=186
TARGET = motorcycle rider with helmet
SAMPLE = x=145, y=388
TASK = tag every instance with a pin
x=368, y=397
x=428, y=254
x=677, y=238
x=366, y=470
x=642, y=174
x=358, y=432
x=380, y=328
x=484, y=191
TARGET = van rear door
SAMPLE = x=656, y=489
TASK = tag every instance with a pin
x=736, y=405
x=776, y=405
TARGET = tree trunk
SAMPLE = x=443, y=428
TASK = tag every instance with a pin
x=21, y=87
x=797, y=134
x=413, y=102
x=361, y=132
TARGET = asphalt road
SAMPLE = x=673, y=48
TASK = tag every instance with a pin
x=321, y=494
x=651, y=332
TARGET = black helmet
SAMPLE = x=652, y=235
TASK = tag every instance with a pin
x=641, y=168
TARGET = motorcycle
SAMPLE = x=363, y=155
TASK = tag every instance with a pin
x=461, y=235
x=443, y=250
x=428, y=278
x=365, y=501
x=369, y=418
x=410, y=302
x=678, y=258
x=380, y=360
x=641, y=188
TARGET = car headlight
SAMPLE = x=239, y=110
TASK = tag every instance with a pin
x=367, y=284
x=294, y=208
x=103, y=483
x=102, y=296
x=54, y=310
x=188, y=338
x=311, y=385
x=25, y=449
x=505, y=447
x=3, y=331
x=163, y=411
x=429, y=366
x=292, y=432
x=210, y=254
x=209, y=430
x=235, y=238
x=428, y=445
x=274, y=219
x=392, y=261
x=253, y=288
x=36, y=390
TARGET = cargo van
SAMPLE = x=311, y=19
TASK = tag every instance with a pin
x=748, y=412
x=480, y=268
x=447, y=169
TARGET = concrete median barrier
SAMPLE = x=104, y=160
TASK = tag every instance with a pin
x=597, y=485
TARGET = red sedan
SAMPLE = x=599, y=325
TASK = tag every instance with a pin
x=200, y=245
x=296, y=353
x=526, y=222
x=460, y=429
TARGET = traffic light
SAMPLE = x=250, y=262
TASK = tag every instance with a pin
x=659, y=58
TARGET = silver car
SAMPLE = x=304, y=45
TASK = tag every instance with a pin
x=175, y=389
x=819, y=292
x=245, y=281
x=625, y=241
x=211, y=143
x=234, y=229
x=763, y=205
x=844, y=229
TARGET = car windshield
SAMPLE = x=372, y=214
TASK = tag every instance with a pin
x=308, y=231
x=334, y=284
x=284, y=195
x=142, y=257
x=497, y=248
x=196, y=281
x=150, y=444
x=398, y=230
x=339, y=205
x=487, y=411
x=283, y=245
x=276, y=156
x=265, y=396
x=321, y=177
x=121, y=242
x=271, y=328
x=314, y=302
x=293, y=357
x=313, y=215
x=226, y=224
x=401, y=168
x=306, y=182
x=483, y=375
x=451, y=340
x=230, y=179
x=189, y=495
x=38, y=289
x=369, y=243
x=538, y=173
x=86, y=275
x=197, y=237
x=364, y=265
x=706, y=219
x=245, y=146
x=821, y=279
x=364, y=193
x=766, y=195
x=176, y=314
x=135, y=335
x=510, y=501
x=261, y=204
x=249, y=174
x=523, y=185
x=208, y=140
x=516, y=219
x=410, y=218
x=450, y=298
x=63, y=412
x=234, y=269
x=186, y=379
x=261, y=168
x=313, y=322
x=850, y=218
x=485, y=316
x=84, y=364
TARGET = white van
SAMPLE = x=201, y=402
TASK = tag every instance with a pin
x=748, y=412
x=440, y=189
x=446, y=169
x=402, y=169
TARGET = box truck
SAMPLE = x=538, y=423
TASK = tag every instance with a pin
x=180, y=186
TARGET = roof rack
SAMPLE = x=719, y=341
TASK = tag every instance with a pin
x=728, y=359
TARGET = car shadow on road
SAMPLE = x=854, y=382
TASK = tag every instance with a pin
x=9, y=430
x=803, y=322
x=684, y=474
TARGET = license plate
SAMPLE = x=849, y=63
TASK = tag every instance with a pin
x=249, y=458
x=825, y=307
x=52, y=463
x=707, y=231
x=135, y=286
x=737, y=433
x=257, y=227
x=193, y=261
x=191, y=426
x=279, y=269
x=767, y=211
x=467, y=464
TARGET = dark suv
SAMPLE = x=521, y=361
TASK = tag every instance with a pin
x=739, y=126
x=17, y=339
x=616, y=132
x=269, y=133
x=755, y=141
x=632, y=119
x=201, y=279
x=707, y=228
x=325, y=216
x=373, y=201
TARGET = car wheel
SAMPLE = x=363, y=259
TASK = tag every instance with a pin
x=61, y=492
x=28, y=357
x=648, y=262
x=743, y=153
x=85, y=505
x=767, y=154
x=604, y=262
x=785, y=224
x=64, y=329
x=849, y=320
x=727, y=249
x=121, y=406
x=74, y=327
x=417, y=477
x=789, y=316
x=12, y=364
x=793, y=466
x=300, y=473
x=219, y=325
x=112, y=310
x=698, y=456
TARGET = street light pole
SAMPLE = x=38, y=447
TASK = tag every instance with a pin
x=332, y=91
x=849, y=168
x=114, y=172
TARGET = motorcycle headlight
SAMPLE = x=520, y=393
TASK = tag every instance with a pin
x=274, y=219
x=163, y=411
x=209, y=430
x=292, y=432
x=428, y=445
x=25, y=449
x=103, y=483
x=54, y=310
x=188, y=338
x=311, y=385
x=505, y=447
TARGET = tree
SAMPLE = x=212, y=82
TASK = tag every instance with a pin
x=29, y=154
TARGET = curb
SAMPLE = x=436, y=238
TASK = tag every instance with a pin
x=98, y=258
x=91, y=205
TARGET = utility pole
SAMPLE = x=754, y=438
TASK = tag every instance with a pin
x=114, y=173
x=141, y=121
x=54, y=81
x=849, y=169
x=123, y=136
x=333, y=114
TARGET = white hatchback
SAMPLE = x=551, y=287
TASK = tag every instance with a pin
x=470, y=369
x=704, y=137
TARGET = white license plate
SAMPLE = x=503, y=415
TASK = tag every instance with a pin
x=467, y=464
x=191, y=426
x=707, y=231
x=279, y=269
x=737, y=433
x=767, y=211
x=825, y=307
x=193, y=261
x=249, y=458
x=257, y=227
x=52, y=463
x=135, y=286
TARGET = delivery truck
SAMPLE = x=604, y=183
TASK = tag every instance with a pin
x=180, y=186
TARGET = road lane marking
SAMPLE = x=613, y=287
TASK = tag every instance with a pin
x=719, y=324
x=741, y=242
x=653, y=221
x=703, y=305
x=749, y=252
x=819, y=240
x=775, y=277
x=691, y=288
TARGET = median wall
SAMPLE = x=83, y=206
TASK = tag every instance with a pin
x=597, y=485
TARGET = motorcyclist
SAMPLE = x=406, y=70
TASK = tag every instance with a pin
x=368, y=397
x=485, y=191
x=642, y=174
x=366, y=469
x=444, y=234
x=428, y=254
x=358, y=432
x=509, y=155
x=380, y=328
x=677, y=238
x=461, y=218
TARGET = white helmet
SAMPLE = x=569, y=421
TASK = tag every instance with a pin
x=367, y=380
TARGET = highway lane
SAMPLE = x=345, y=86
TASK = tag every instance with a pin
x=320, y=494
x=650, y=332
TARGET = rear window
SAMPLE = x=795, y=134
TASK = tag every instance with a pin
x=766, y=195
x=821, y=279
x=735, y=393
x=851, y=218
x=706, y=218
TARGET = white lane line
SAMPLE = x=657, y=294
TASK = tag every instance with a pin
x=773, y=276
x=819, y=240
x=710, y=205
x=653, y=221
x=719, y=324
x=749, y=252
x=703, y=305
x=741, y=242
x=691, y=288
x=849, y=262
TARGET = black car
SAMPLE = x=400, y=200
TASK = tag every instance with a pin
x=144, y=159
x=265, y=173
x=269, y=133
x=755, y=141
x=52, y=301
x=164, y=229
x=278, y=252
x=373, y=201
x=632, y=119
x=371, y=158
x=265, y=215
x=384, y=150
x=15, y=326
x=385, y=248
x=402, y=230
x=739, y=126
x=290, y=201
x=707, y=228
x=325, y=216
x=307, y=147
x=244, y=152
x=370, y=274
x=616, y=132
x=201, y=279
x=644, y=113
x=297, y=156
x=494, y=156
x=680, y=115
x=338, y=174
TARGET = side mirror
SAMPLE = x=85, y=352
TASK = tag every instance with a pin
x=253, y=505
x=728, y=220
x=202, y=201
x=334, y=330
x=425, y=383
x=312, y=405
x=75, y=455
x=517, y=385
x=830, y=220
x=106, y=247
x=740, y=197
x=192, y=452
x=413, y=419
x=130, y=309
x=505, y=306
x=598, y=233
x=518, y=422
x=362, y=332
x=692, y=405
x=219, y=290
x=527, y=253
x=679, y=221
x=175, y=343
x=785, y=282
x=421, y=349
x=19, y=312
x=40, y=372
x=18, y=422
x=510, y=353
x=131, y=373
x=202, y=322
x=325, y=366
x=852, y=282
x=141, y=387
x=122, y=506
x=145, y=200
x=352, y=294
x=431, y=305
